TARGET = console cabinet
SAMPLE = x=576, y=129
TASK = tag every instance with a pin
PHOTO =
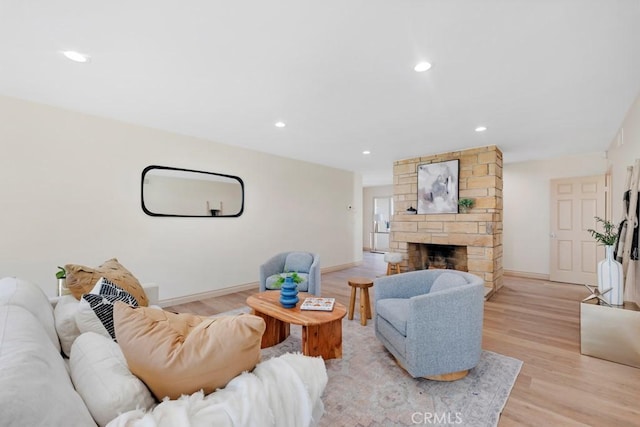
x=611, y=333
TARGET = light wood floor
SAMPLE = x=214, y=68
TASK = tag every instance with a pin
x=534, y=321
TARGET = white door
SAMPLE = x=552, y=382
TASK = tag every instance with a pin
x=574, y=204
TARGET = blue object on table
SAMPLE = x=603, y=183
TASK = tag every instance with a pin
x=289, y=293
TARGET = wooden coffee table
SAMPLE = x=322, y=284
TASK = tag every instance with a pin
x=321, y=330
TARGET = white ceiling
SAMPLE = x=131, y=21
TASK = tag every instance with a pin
x=547, y=77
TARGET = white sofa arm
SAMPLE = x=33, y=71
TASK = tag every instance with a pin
x=153, y=291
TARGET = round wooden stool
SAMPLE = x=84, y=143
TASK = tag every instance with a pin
x=393, y=260
x=364, y=284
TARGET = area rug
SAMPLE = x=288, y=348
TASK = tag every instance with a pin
x=366, y=387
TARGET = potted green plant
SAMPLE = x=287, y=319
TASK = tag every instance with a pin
x=61, y=275
x=465, y=205
x=294, y=276
x=610, y=235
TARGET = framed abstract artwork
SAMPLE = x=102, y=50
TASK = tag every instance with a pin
x=438, y=187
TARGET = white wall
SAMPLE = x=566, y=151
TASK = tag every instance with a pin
x=368, y=193
x=526, y=197
x=70, y=193
x=623, y=151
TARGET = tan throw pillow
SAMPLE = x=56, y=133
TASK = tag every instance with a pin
x=81, y=279
x=177, y=354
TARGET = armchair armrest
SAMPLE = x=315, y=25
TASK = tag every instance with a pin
x=442, y=306
x=272, y=266
x=315, y=276
x=446, y=319
x=405, y=285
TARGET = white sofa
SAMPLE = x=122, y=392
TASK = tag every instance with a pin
x=40, y=387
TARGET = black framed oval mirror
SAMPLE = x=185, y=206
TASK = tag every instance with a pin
x=167, y=191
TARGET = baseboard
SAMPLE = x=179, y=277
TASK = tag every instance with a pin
x=376, y=251
x=209, y=294
x=526, y=275
x=340, y=267
x=488, y=292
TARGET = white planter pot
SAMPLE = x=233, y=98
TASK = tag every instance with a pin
x=62, y=287
x=610, y=276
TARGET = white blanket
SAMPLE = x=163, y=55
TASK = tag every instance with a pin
x=283, y=391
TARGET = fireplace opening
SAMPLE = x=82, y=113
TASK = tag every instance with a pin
x=423, y=256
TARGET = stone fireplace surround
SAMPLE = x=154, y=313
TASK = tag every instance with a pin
x=479, y=231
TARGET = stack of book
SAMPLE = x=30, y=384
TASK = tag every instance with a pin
x=320, y=304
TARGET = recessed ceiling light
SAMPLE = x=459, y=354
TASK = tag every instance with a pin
x=481, y=128
x=365, y=152
x=280, y=124
x=76, y=56
x=422, y=66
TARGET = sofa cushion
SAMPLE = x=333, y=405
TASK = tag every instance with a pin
x=65, y=318
x=103, y=379
x=95, y=310
x=95, y=313
x=35, y=388
x=178, y=354
x=447, y=281
x=300, y=262
x=271, y=282
x=395, y=311
x=69, y=312
x=81, y=280
x=20, y=292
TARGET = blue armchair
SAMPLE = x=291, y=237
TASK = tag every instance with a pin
x=305, y=264
x=431, y=321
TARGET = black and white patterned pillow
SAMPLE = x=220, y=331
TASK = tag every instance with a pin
x=102, y=303
x=107, y=287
